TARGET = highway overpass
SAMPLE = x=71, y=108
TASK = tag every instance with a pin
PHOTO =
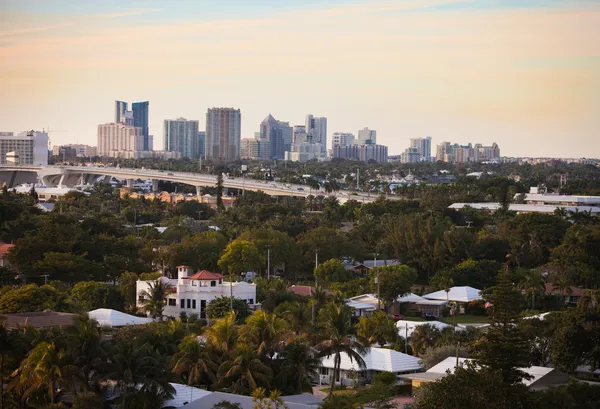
x=70, y=176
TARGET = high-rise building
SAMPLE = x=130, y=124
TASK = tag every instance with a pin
x=181, y=135
x=455, y=153
x=423, y=147
x=120, y=109
x=255, y=148
x=299, y=135
x=410, y=155
x=279, y=134
x=316, y=128
x=366, y=136
x=120, y=141
x=26, y=148
x=342, y=139
x=140, y=119
x=365, y=153
x=76, y=150
x=223, y=133
x=202, y=143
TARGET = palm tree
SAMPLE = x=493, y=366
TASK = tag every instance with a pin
x=263, y=331
x=300, y=362
x=335, y=322
x=244, y=372
x=42, y=369
x=223, y=333
x=154, y=298
x=296, y=314
x=533, y=283
x=194, y=360
x=85, y=350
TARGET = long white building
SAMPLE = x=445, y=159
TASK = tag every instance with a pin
x=192, y=292
x=25, y=148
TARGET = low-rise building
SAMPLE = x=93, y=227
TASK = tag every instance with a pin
x=191, y=293
x=4, y=249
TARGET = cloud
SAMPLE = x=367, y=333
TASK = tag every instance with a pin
x=33, y=29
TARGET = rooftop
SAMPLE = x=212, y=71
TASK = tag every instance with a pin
x=40, y=319
x=204, y=275
x=378, y=359
x=4, y=247
x=457, y=294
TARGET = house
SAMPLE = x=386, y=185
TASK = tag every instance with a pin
x=246, y=402
x=4, y=248
x=366, y=304
x=364, y=267
x=572, y=295
x=114, y=319
x=38, y=320
x=376, y=360
x=433, y=308
x=184, y=395
x=541, y=377
x=191, y=293
x=406, y=328
x=458, y=295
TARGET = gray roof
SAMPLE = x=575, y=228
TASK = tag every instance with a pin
x=245, y=402
x=303, y=398
x=371, y=263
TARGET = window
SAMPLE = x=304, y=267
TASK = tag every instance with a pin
x=194, y=282
x=141, y=298
x=202, y=308
x=188, y=303
x=194, y=304
x=182, y=304
x=213, y=283
x=172, y=302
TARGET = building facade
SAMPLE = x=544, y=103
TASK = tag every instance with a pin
x=366, y=136
x=316, y=128
x=140, y=119
x=455, y=153
x=410, y=155
x=223, y=133
x=423, y=147
x=202, y=143
x=255, y=149
x=120, y=141
x=181, y=135
x=193, y=292
x=279, y=134
x=365, y=153
x=342, y=139
x=25, y=148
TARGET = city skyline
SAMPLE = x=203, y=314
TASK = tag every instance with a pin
x=525, y=74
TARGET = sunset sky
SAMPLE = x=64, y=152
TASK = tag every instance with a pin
x=522, y=73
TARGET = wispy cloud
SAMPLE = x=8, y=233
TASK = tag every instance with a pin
x=33, y=29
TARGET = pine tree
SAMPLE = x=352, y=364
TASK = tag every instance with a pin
x=504, y=346
x=220, y=191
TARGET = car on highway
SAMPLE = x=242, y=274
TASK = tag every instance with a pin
x=301, y=189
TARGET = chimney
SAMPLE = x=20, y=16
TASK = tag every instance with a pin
x=183, y=271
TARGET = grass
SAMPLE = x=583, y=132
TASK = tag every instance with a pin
x=361, y=395
x=467, y=319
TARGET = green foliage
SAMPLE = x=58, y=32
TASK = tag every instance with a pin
x=30, y=298
x=127, y=287
x=377, y=328
x=475, y=273
x=240, y=256
x=435, y=355
x=152, y=299
x=201, y=251
x=394, y=281
x=91, y=295
x=150, y=276
x=87, y=400
x=333, y=271
x=221, y=307
x=226, y=405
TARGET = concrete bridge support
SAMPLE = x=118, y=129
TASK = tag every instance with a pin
x=198, y=192
x=154, y=185
x=130, y=183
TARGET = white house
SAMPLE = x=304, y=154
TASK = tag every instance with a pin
x=376, y=360
x=191, y=293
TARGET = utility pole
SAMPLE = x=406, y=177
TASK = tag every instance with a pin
x=45, y=278
x=268, y=261
x=231, y=291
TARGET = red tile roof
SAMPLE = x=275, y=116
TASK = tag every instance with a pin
x=302, y=290
x=204, y=275
x=4, y=247
x=575, y=291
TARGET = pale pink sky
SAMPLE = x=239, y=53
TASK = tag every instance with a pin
x=526, y=78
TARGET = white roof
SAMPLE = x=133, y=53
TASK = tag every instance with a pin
x=406, y=328
x=378, y=359
x=113, y=318
x=539, y=316
x=363, y=302
x=527, y=208
x=449, y=364
x=410, y=297
x=459, y=294
x=184, y=395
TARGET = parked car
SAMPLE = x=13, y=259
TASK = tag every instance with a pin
x=397, y=317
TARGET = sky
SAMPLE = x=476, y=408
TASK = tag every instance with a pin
x=522, y=73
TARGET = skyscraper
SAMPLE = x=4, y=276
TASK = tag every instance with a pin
x=26, y=148
x=316, y=128
x=366, y=136
x=279, y=134
x=342, y=139
x=120, y=141
x=140, y=119
x=423, y=147
x=223, y=133
x=202, y=143
x=120, y=109
x=181, y=135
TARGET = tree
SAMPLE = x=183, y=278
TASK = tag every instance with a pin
x=194, y=361
x=335, y=325
x=221, y=307
x=240, y=256
x=299, y=364
x=435, y=355
x=223, y=334
x=333, y=271
x=504, y=347
x=533, y=283
x=42, y=369
x=377, y=328
x=226, y=405
x=394, y=281
x=562, y=284
x=297, y=315
x=153, y=298
x=424, y=337
x=282, y=248
x=474, y=273
x=220, y=191
x=87, y=400
x=127, y=287
x=244, y=371
x=263, y=331
x=271, y=401
x=31, y=298
x=85, y=351
x=91, y=295
x=66, y=267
